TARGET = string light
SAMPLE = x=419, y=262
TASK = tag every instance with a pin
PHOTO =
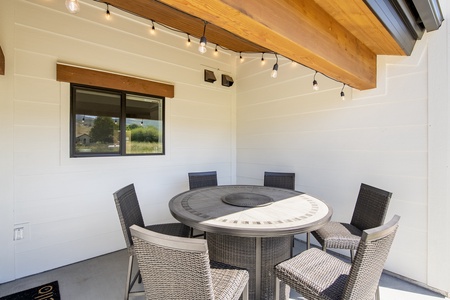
x=342, y=92
x=215, y=51
x=73, y=6
x=315, y=84
x=108, y=15
x=274, y=73
x=153, y=31
x=203, y=42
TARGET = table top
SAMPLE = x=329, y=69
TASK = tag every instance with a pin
x=244, y=210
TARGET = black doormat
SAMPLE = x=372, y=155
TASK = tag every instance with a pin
x=44, y=292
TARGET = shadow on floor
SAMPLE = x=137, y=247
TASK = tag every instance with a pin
x=103, y=277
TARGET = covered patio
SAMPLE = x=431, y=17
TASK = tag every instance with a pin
x=393, y=136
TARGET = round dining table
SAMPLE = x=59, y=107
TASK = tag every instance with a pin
x=251, y=226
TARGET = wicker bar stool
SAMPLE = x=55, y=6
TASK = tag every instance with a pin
x=202, y=179
x=199, y=180
x=280, y=180
x=370, y=211
x=129, y=211
x=318, y=275
x=179, y=268
x=283, y=181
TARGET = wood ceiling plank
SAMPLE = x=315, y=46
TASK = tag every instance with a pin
x=357, y=18
x=299, y=30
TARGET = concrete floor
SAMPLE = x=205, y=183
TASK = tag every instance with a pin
x=104, y=278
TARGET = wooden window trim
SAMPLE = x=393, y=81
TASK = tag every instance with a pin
x=2, y=62
x=91, y=77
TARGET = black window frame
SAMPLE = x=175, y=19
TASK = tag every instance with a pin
x=122, y=122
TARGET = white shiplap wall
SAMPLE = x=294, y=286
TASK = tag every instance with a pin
x=379, y=137
x=67, y=203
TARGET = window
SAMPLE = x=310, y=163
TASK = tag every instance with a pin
x=107, y=122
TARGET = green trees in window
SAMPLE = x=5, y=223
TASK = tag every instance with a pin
x=103, y=130
x=148, y=134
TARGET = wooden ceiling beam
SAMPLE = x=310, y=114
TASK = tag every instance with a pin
x=177, y=19
x=299, y=30
x=357, y=17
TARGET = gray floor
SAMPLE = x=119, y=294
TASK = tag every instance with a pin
x=104, y=278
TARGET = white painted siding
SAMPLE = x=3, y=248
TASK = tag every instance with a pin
x=68, y=202
x=379, y=137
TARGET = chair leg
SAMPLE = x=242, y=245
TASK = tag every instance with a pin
x=130, y=266
x=292, y=246
x=352, y=256
x=277, y=288
x=377, y=293
x=308, y=240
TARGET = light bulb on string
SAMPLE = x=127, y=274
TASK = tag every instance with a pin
x=73, y=6
x=216, y=52
x=342, y=92
x=108, y=14
x=315, y=84
x=274, y=73
x=241, y=59
x=188, y=40
x=262, y=59
x=153, y=30
x=203, y=42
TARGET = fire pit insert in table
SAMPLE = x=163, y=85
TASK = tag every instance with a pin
x=247, y=199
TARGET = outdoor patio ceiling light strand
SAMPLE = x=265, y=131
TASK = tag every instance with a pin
x=203, y=42
x=315, y=84
x=274, y=73
x=73, y=6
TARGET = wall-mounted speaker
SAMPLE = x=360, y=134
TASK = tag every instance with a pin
x=209, y=76
x=227, y=80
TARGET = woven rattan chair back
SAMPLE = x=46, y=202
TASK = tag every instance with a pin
x=202, y=179
x=280, y=180
x=369, y=261
x=177, y=268
x=129, y=211
x=371, y=207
